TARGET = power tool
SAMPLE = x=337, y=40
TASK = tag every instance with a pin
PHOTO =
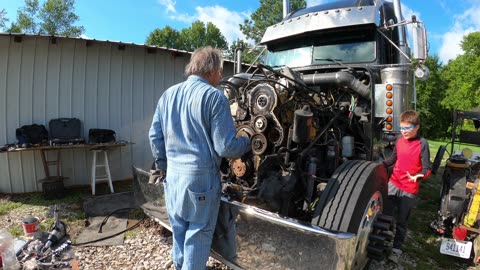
x=58, y=232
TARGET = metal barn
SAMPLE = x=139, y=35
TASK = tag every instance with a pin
x=111, y=85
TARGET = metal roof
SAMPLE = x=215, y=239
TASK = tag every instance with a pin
x=92, y=39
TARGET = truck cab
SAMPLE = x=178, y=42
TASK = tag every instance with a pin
x=322, y=112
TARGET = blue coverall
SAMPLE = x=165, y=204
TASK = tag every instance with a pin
x=192, y=129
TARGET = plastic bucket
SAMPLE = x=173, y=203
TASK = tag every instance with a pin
x=30, y=225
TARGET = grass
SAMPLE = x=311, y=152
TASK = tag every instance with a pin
x=434, y=145
x=36, y=203
x=7, y=206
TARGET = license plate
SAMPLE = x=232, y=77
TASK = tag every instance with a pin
x=456, y=248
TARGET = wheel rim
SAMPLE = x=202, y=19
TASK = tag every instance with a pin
x=374, y=207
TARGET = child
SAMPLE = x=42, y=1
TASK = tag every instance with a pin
x=411, y=160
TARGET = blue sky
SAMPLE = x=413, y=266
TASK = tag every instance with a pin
x=447, y=21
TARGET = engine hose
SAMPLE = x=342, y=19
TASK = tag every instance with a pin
x=116, y=234
x=233, y=86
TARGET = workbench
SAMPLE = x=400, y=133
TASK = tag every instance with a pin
x=53, y=181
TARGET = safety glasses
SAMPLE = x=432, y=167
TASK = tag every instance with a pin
x=407, y=128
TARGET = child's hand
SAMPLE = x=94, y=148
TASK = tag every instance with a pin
x=414, y=178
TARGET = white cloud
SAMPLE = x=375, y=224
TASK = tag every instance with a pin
x=169, y=4
x=185, y=18
x=226, y=20
x=451, y=40
x=464, y=23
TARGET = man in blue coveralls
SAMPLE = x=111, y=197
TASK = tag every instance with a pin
x=192, y=129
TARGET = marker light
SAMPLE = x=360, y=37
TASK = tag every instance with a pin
x=389, y=87
x=389, y=95
x=389, y=111
x=388, y=126
x=389, y=119
x=389, y=103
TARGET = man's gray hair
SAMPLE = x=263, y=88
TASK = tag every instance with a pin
x=203, y=61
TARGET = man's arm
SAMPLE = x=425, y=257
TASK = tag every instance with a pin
x=157, y=141
x=223, y=131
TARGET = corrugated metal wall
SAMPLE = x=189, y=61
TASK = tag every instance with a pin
x=104, y=84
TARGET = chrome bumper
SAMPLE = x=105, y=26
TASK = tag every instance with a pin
x=261, y=239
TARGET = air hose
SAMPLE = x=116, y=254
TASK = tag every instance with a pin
x=116, y=234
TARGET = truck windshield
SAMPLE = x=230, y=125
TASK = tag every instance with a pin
x=321, y=49
x=356, y=52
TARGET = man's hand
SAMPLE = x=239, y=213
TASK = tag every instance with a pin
x=156, y=177
x=415, y=178
x=232, y=192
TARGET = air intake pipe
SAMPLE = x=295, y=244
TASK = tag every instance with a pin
x=340, y=78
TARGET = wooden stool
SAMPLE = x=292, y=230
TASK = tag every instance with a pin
x=52, y=185
x=100, y=178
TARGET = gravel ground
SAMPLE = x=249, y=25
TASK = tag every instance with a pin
x=147, y=247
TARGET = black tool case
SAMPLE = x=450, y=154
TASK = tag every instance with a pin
x=65, y=131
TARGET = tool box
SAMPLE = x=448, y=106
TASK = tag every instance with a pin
x=65, y=131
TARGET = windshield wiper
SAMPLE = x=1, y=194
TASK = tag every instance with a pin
x=336, y=61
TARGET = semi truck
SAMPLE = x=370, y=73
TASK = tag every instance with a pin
x=322, y=111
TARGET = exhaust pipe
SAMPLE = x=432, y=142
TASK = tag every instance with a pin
x=286, y=8
x=402, y=34
x=238, y=61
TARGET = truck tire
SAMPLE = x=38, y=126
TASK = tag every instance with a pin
x=352, y=202
x=349, y=190
x=453, y=194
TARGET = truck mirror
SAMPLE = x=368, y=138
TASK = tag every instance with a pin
x=419, y=41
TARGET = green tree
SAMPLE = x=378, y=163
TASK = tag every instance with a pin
x=269, y=13
x=57, y=17
x=166, y=37
x=3, y=18
x=435, y=118
x=463, y=76
x=199, y=35
x=196, y=36
x=26, y=17
x=471, y=44
x=54, y=17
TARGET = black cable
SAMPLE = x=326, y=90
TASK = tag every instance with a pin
x=116, y=234
x=109, y=215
